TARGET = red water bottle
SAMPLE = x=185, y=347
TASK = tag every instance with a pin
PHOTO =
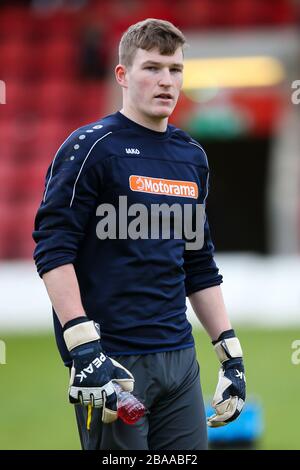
x=130, y=409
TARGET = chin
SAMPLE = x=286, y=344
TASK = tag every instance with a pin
x=163, y=113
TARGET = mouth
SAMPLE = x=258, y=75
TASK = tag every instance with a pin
x=164, y=96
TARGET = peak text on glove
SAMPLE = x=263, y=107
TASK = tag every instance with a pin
x=90, y=369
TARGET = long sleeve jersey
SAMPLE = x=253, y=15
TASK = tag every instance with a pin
x=134, y=287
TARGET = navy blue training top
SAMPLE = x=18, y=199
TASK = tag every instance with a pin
x=135, y=288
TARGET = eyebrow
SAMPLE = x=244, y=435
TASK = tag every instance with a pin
x=153, y=62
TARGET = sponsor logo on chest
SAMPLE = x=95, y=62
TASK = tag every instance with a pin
x=148, y=184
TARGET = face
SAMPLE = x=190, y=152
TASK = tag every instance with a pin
x=152, y=85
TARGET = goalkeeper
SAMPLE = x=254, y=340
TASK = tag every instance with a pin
x=119, y=298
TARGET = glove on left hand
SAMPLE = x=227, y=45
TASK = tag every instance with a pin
x=230, y=394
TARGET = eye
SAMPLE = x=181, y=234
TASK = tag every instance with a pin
x=151, y=67
x=176, y=70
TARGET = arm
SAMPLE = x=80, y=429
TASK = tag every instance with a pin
x=228, y=401
x=82, y=338
x=70, y=199
x=202, y=285
x=208, y=305
x=63, y=290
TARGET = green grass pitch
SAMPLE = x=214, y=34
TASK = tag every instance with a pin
x=35, y=414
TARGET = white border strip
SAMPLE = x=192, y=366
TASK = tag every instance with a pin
x=74, y=187
x=276, y=305
x=51, y=171
x=201, y=148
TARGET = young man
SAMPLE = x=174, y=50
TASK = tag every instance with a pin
x=101, y=265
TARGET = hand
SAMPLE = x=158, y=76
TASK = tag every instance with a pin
x=93, y=372
x=230, y=394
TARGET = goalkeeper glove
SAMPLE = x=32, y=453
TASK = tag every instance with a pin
x=93, y=373
x=230, y=394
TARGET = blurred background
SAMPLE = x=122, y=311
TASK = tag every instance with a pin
x=241, y=100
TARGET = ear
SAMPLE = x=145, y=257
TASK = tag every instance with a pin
x=121, y=75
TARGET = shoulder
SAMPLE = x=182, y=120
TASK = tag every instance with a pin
x=193, y=145
x=87, y=141
x=78, y=153
x=87, y=136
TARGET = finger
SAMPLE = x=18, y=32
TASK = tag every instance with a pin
x=86, y=396
x=74, y=396
x=123, y=376
x=126, y=384
x=226, y=412
x=92, y=398
x=213, y=422
x=109, y=410
x=73, y=401
x=226, y=408
x=96, y=400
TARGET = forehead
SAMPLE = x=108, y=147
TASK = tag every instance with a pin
x=154, y=55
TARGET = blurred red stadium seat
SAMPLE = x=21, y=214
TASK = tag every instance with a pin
x=16, y=225
x=58, y=99
x=17, y=138
x=6, y=230
x=7, y=181
x=21, y=100
x=50, y=134
x=14, y=22
x=30, y=180
x=7, y=138
x=56, y=25
x=23, y=225
x=14, y=62
x=94, y=102
x=57, y=59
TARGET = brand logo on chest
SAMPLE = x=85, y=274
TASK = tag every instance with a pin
x=132, y=151
x=148, y=184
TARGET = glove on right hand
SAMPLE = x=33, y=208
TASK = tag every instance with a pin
x=93, y=372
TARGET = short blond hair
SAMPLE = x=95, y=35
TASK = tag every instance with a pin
x=149, y=34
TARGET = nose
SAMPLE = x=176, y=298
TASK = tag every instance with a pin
x=165, y=78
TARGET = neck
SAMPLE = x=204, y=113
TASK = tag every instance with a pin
x=155, y=124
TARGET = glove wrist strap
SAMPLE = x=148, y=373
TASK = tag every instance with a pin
x=228, y=349
x=81, y=333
